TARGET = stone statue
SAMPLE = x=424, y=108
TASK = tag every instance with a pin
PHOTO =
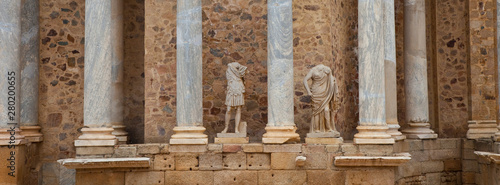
x=324, y=96
x=234, y=95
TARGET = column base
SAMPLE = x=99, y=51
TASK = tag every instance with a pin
x=32, y=133
x=372, y=135
x=185, y=135
x=95, y=142
x=280, y=135
x=394, y=132
x=496, y=138
x=419, y=131
x=481, y=129
x=11, y=137
x=120, y=133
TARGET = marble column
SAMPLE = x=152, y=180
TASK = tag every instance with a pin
x=391, y=102
x=103, y=74
x=496, y=137
x=281, y=126
x=29, y=71
x=10, y=72
x=417, y=102
x=372, y=115
x=189, y=128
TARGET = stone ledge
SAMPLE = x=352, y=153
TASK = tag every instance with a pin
x=375, y=161
x=139, y=162
x=492, y=157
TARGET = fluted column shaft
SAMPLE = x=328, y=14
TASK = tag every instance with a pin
x=391, y=106
x=10, y=70
x=372, y=114
x=189, y=128
x=281, y=126
x=29, y=71
x=416, y=91
x=103, y=72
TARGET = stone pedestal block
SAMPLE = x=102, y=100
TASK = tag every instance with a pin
x=419, y=131
x=96, y=141
x=280, y=135
x=191, y=135
x=234, y=138
x=120, y=133
x=373, y=135
x=32, y=133
x=481, y=129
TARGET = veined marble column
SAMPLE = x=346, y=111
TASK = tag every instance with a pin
x=372, y=123
x=391, y=102
x=281, y=126
x=103, y=74
x=496, y=137
x=417, y=102
x=29, y=71
x=10, y=71
x=189, y=128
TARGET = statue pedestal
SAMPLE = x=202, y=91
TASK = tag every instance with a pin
x=233, y=138
x=324, y=138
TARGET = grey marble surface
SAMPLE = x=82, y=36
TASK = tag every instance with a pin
x=29, y=63
x=417, y=105
x=103, y=56
x=10, y=44
x=371, y=63
x=280, y=63
x=189, y=63
x=390, y=63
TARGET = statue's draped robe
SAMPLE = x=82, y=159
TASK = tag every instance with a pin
x=323, y=91
x=235, y=87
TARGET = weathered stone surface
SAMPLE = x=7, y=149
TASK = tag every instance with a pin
x=210, y=161
x=313, y=148
x=453, y=165
x=234, y=161
x=282, y=177
x=375, y=176
x=324, y=177
x=164, y=162
x=316, y=161
x=96, y=150
x=258, y=161
x=187, y=148
x=253, y=148
x=164, y=148
x=284, y=161
x=231, y=147
x=236, y=177
x=444, y=154
x=125, y=152
x=376, y=150
x=100, y=178
x=215, y=147
x=189, y=177
x=432, y=166
x=283, y=148
x=186, y=161
x=333, y=148
x=139, y=178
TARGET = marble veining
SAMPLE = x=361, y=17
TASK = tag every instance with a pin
x=280, y=63
x=189, y=63
x=390, y=62
x=371, y=63
x=10, y=40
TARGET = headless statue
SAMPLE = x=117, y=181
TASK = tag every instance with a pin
x=234, y=95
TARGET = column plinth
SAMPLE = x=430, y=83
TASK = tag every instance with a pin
x=481, y=129
x=120, y=133
x=280, y=127
x=94, y=137
x=189, y=135
x=32, y=133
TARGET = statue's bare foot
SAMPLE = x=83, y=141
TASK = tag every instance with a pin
x=236, y=131
x=317, y=131
x=224, y=131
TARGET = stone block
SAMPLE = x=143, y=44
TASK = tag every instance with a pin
x=217, y=148
x=234, y=161
x=231, y=140
x=149, y=177
x=469, y=154
x=231, y=148
x=307, y=148
x=324, y=141
x=257, y=161
x=420, y=156
x=188, y=148
x=283, y=161
x=468, y=144
x=410, y=169
x=432, y=166
x=325, y=177
x=453, y=165
x=401, y=146
x=432, y=144
x=125, y=152
x=164, y=148
x=100, y=178
x=189, y=177
x=148, y=149
x=278, y=177
x=433, y=178
x=370, y=176
x=235, y=177
x=316, y=161
x=349, y=149
x=376, y=150
x=445, y=154
x=164, y=162
x=210, y=161
x=470, y=166
x=186, y=162
x=332, y=148
x=270, y=148
x=95, y=150
x=469, y=177
x=415, y=144
x=449, y=143
x=253, y=148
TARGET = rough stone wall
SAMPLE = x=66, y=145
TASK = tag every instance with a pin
x=483, y=64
